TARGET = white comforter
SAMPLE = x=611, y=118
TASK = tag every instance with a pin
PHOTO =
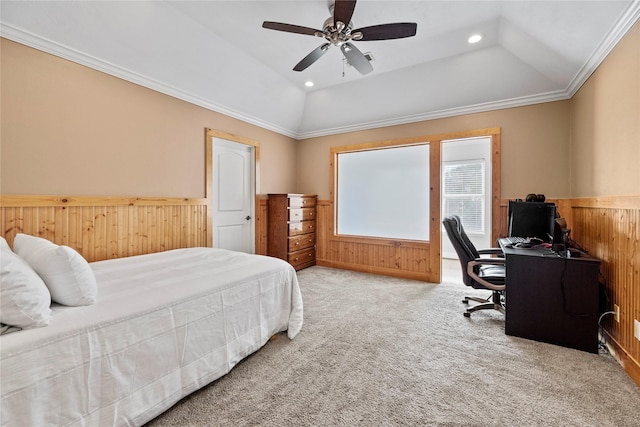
x=163, y=326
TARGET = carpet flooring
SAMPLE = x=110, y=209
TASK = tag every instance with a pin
x=380, y=351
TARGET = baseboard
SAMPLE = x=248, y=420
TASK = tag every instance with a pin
x=630, y=366
x=375, y=270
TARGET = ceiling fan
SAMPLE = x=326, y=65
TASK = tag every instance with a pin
x=338, y=30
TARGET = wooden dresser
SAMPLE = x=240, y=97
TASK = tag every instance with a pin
x=291, y=234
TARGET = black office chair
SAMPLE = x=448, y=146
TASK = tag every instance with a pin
x=478, y=272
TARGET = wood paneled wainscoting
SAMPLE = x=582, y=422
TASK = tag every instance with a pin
x=609, y=229
x=102, y=228
x=109, y=227
x=262, y=223
x=380, y=256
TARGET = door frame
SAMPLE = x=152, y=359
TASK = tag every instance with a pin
x=208, y=154
x=488, y=196
x=495, y=135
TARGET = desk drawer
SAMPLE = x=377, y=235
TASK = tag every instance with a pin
x=302, y=214
x=302, y=242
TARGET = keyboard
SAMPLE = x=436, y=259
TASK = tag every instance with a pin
x=514, y=240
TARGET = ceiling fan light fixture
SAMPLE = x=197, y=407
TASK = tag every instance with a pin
x=338, y=31
x=367, y=55
x=474, y=38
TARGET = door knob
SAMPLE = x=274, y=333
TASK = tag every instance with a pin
x=248, y=218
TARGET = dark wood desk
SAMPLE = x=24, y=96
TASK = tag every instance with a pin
x=552, y=298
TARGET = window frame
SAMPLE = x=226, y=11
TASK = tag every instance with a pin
x=379, y=149
x=406, y=142
x=401, y=258
x=435, y=168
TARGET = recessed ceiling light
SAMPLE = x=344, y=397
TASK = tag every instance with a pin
x=308, y=83
x=475, y=38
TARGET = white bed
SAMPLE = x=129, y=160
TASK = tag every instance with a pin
x=163, y=326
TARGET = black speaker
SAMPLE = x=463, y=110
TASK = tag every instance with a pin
x=535, y=198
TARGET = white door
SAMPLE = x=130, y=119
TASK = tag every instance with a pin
x=233, y=196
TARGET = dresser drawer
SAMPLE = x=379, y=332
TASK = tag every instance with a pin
x=302, y=214
x=303, y=227
x=302, y=242
x=302, y=258
x=302, y=202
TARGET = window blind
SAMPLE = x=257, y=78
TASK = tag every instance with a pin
x=463, y=193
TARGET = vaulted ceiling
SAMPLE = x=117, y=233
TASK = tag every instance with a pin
x=216, y=54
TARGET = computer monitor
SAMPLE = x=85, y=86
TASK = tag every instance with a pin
x=532, y=219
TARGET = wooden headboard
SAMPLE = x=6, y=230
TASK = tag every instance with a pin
x=102, y=228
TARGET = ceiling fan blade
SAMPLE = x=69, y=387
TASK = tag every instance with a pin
x=290, y=28
x=356, y=58
x=387, y=31
x=343, y=11
x=312, y=57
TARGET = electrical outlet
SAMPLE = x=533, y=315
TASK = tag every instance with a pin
x=616, y=312
x=636, y=329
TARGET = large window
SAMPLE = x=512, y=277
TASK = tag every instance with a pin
x=384, y=192
x=463, y=192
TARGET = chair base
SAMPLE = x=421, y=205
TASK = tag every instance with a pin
x=494, y=302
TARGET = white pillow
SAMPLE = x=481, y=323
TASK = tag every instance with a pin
x=24, y=299
x=68, y=276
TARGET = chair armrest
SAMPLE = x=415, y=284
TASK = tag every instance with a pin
x=480, y=261
x=485, y=261
x=490, y=251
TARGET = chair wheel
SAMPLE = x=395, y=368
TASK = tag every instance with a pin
x=465, y=301
x=466, y=314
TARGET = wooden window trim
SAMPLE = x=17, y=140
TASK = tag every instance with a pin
x=435, y=165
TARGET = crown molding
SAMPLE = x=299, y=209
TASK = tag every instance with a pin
x=623, y=25
x=40, y=43
x=442, y=114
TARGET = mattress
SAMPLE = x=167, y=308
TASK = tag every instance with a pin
x=163, y=326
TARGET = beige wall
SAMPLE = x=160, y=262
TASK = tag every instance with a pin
x=71, y=130
x=605, y=117
x=586, y=147
x=535, y=148
x=67, y=129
